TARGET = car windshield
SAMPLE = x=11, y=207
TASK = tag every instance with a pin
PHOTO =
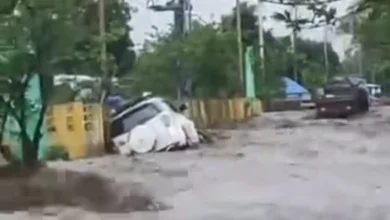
x=133, y=118
x=139, y=116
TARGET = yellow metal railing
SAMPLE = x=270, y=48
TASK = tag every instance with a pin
x=210, y=113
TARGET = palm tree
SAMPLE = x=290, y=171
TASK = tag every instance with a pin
x=295, y=24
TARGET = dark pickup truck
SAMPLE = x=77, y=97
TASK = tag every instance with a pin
x=343, y=97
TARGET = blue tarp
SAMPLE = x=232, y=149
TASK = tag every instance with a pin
x=115, y=101
x=293, y=88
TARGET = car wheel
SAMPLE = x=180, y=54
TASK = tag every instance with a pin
x=362, y=100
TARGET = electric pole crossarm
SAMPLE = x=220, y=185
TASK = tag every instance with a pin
x=103, y=53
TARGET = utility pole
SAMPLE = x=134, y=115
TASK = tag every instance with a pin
x=188, y=9
x=261, y=40
x=182, y=23
x=359, y=49
x=294, y=12
x=373, y=73
x=103, y=50
x=359, y=60
x=239, y=47
x=326, y=56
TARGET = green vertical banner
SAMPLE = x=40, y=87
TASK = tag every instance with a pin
x=250, y=90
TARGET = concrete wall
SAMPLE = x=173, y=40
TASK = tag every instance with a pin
x=79, y=128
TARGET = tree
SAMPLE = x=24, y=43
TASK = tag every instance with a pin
x=279, y=57
x=120, y=53
x=370, y=21
x=275, y=59
x=119, y=44
x=39, y=33
x=47, y=37
x=208, y=57
x=248, y=23
x=322, y=15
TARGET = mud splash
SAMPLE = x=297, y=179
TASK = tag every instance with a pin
x=25, y=189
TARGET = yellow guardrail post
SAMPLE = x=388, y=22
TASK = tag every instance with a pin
x=215, y=112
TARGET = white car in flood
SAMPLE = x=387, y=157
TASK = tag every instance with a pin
x=152, y=124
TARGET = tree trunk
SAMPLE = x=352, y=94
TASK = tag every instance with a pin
x=30, y=154
x=5, y=151
x=30, y=145
x=45, y=89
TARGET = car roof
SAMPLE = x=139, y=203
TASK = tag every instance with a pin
x=134, y=105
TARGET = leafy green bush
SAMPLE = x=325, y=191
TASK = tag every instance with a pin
x=57, y=153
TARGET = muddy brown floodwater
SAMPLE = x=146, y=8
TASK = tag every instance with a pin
x=279, y=166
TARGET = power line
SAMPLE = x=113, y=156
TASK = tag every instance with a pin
x=198, y=18
x=322, y=24
x=277, y=2
x=139, y=3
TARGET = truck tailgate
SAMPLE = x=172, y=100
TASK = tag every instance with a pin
x=335, y=106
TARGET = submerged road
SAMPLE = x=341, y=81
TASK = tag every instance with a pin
x=279, y=166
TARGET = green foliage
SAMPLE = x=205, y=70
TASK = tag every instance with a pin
x=57, y=153
x=279, y=59
x=270, y=84
x=38, y=33
x=371, y=22
x=48, y=37
x=7, y=6
x=209, y=55
x=248, y=22
x=86, y=58
x=321, y=14
x=213, y=60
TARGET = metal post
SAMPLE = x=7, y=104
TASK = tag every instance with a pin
x=179, y=18
x=261, y=39
x=181, y=27
x=326, y=55
x=103, y=50
x=359, y=49
x=239, y=45
x=293, y=42
x=189, y=17
x=372, y=76
x=360, y=57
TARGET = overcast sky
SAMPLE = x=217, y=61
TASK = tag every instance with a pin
x=209, y=10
